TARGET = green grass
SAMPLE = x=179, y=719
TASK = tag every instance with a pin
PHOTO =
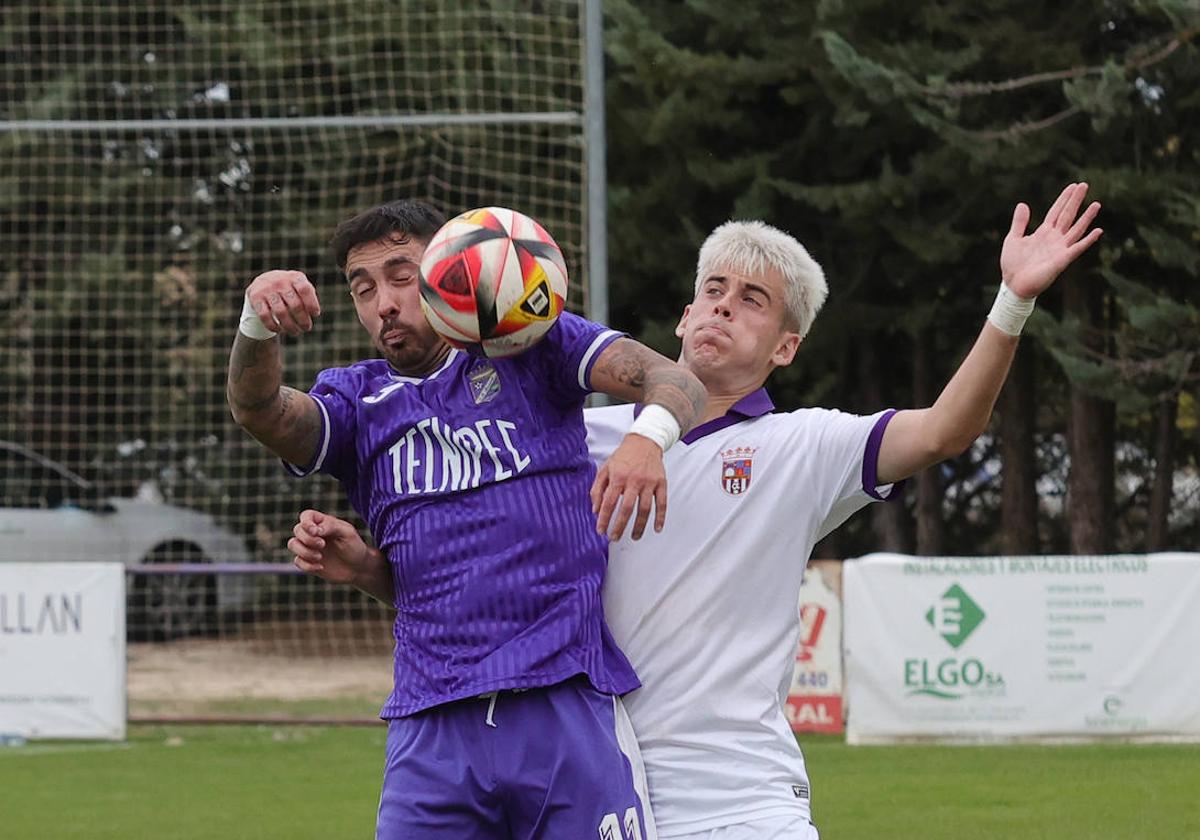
x=231, y=782
x=1109, y=791
x=196, y=782
x=337, y=708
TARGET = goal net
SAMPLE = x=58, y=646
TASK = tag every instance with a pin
x=156, y=156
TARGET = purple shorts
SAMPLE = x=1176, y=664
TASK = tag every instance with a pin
x=555, y=762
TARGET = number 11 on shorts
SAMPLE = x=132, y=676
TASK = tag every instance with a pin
x=610, y=826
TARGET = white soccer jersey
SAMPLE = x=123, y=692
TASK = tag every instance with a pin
x=707, y=610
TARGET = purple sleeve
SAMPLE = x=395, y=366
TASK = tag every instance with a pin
x=870, y=464
x=334, y=393
x=566, y=355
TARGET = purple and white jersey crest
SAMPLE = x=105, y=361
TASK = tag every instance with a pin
x=474, y=482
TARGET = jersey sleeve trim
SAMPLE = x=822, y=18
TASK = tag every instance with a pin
x=322, y=451
x=593, y=352
x=870, y=467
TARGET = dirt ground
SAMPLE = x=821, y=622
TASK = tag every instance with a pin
x=292, y=662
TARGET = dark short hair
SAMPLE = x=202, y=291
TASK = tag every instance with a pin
x=418, y=219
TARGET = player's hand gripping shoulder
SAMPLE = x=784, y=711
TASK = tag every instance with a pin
x=283, y=419
x=332, y=549
x=633, y=480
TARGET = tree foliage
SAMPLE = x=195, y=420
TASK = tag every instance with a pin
x=894, y=140
x=127, y=249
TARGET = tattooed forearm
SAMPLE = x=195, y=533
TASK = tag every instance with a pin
x=628, y=364
x=676, y=389
x=634, y=372
x=283, y=419
x=255, y=377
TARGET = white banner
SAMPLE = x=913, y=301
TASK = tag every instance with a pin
x=62, y=650
x=1035, y=648
x=814, y=702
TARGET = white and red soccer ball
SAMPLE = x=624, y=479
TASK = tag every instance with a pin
x=493, y=281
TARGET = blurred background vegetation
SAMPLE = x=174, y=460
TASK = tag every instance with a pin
x=893, y=139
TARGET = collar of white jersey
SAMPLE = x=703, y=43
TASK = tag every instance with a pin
x=755, y=404
x=400, y=377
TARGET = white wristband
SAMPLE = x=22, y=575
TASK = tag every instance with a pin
x=251, y=325
x=1010, y=311
x=658, y=424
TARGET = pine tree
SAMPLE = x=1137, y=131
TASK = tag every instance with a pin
x=894, y=139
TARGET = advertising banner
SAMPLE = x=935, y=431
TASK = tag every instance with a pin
x=62, y=650
x=1022, y=648
x=814, y=701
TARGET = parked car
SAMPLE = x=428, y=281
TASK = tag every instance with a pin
x=49, y=513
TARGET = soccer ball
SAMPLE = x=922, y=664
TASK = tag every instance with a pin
x=492, y=282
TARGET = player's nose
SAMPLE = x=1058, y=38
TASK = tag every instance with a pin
x=387, y=302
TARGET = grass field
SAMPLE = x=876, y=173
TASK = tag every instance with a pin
x=227, y=783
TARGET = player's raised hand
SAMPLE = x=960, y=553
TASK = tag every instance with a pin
x=329, y=547
x=285, y=301
x=1030, y=263
x=632, y=479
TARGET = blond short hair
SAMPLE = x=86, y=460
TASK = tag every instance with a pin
x=753, y=248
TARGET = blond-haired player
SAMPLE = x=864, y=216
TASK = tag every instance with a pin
x=706, y=609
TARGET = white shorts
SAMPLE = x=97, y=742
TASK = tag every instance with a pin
x=771, y=828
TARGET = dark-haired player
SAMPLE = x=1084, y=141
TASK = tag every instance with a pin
x=473, y=476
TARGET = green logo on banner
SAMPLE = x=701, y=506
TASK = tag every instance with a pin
x=955, y=616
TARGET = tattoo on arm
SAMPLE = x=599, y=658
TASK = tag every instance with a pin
x=677, y=390
x=255, y=375
x=283, y=419
x=632, y=371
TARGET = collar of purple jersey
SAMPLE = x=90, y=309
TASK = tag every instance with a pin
x=755, y=404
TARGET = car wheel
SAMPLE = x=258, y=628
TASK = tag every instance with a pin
x=165, y=607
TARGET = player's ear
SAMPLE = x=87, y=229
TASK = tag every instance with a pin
x=682, y=321
x=785, y=350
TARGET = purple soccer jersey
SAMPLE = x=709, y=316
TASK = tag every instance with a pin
x=474, y=482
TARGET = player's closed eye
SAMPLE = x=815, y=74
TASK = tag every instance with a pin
x=363, y=291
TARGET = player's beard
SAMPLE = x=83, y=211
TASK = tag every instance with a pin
x=411, y=352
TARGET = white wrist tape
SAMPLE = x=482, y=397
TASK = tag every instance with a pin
x=1010, y=312
x=658, y=424
x=251, y=325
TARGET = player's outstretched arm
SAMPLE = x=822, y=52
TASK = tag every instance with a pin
x=633, y=478
x=284, y=420
x=331, y=549
x=1029, y=264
